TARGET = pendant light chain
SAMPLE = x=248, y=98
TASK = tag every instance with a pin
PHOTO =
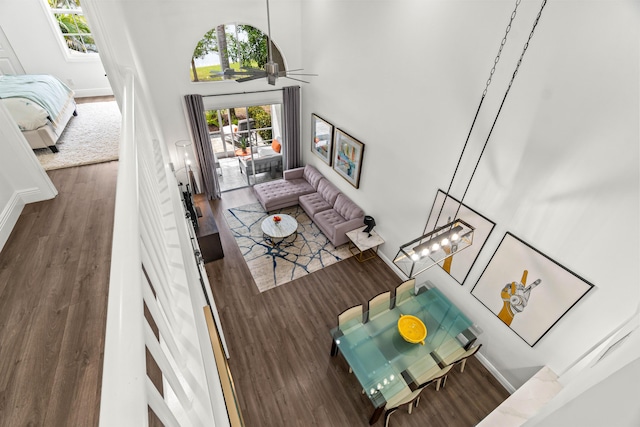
x=473, y=123
x=513, y=77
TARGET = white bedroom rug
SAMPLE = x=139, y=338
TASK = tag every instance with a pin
x=92, y=136
x=275, y=266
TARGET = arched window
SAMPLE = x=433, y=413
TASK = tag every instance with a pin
x=231, y=47
x=73, y=25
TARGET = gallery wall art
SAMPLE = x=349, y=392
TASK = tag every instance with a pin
x=347, y=157
x=321, y=138
x=459, y=265
x=527, y=290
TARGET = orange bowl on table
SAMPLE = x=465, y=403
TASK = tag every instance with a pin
x=412, y=329
x=276, y=218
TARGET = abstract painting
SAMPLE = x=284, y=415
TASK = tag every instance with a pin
x=321, y=138
x=527, y=290
x=347, y=157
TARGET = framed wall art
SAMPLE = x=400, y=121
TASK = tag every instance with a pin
x=527, y=290
x=347, y=157
x=459, y=265
x=321, y=138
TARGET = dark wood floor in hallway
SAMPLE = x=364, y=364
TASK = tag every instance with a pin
x=279, y=345
x=54, y=276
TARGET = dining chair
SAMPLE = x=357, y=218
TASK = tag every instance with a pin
x=404, y=397
x=439, y=378
x=349, y=319
x=427, y=371
x=462, y=360
x=379, y=305
x=404, y=291
x=450, y=351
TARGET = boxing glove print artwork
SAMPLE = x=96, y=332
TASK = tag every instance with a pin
x=528, y=291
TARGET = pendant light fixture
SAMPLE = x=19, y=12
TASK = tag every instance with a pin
x=447, y=240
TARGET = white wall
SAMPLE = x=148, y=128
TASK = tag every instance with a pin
x=22, y=179
x=33, y=37
x=404, y=77
x=561, y=168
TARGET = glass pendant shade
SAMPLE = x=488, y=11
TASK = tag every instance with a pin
x=434, y=247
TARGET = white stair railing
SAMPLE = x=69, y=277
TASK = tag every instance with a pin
x=153, y=265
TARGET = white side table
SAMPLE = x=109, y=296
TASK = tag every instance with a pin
x=360, y=242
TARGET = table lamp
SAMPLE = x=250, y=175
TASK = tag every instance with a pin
x=370, y=223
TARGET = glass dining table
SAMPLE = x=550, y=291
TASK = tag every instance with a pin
x=382, y=361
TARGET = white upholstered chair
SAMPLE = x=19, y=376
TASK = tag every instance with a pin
x=349, y=319
x=404, y=291
x=462, y=359
x=379, y=305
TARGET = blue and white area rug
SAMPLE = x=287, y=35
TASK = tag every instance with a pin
x=275, y=266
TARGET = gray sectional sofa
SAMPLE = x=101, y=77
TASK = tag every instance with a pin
x=333, y=212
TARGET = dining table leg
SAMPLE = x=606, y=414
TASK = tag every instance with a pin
x=334, y=348
x=376, y=415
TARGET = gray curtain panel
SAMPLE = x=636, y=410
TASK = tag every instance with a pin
x=204, y=150
x=291, y=132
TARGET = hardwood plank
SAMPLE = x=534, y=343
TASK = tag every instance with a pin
x=78, y=376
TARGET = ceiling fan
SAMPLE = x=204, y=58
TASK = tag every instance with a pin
x=272, y=69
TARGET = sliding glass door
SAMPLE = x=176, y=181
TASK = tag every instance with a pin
x=246, y=142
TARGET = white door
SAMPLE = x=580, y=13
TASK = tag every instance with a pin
x=9, y=63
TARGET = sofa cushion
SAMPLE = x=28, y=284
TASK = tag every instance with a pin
x=312, y=175
x=346, y=208
x=321, y=200
x=328, y=191
x=281, y=193
x=328, y=220
x=313, y=203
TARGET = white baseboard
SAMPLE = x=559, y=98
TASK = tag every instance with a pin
x=83, y=93
x=501, y=379
x=9, y=217
x=392, y=265
x=32, y=195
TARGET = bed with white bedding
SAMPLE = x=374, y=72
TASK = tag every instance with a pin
x=41, y=106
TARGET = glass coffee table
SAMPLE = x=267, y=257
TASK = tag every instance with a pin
x=279, y=232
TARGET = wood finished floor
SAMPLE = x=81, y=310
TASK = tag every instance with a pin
x=279, y=346
x=54, y=273
x=54, y=276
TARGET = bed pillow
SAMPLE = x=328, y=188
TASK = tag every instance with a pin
x=27, y=114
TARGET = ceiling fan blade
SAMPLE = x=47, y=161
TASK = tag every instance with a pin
x=299, y=80
x=300, y=74
x=256, y=77
x=228, y=73
x=251, y=71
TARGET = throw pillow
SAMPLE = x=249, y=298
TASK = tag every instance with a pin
x=276, y=146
